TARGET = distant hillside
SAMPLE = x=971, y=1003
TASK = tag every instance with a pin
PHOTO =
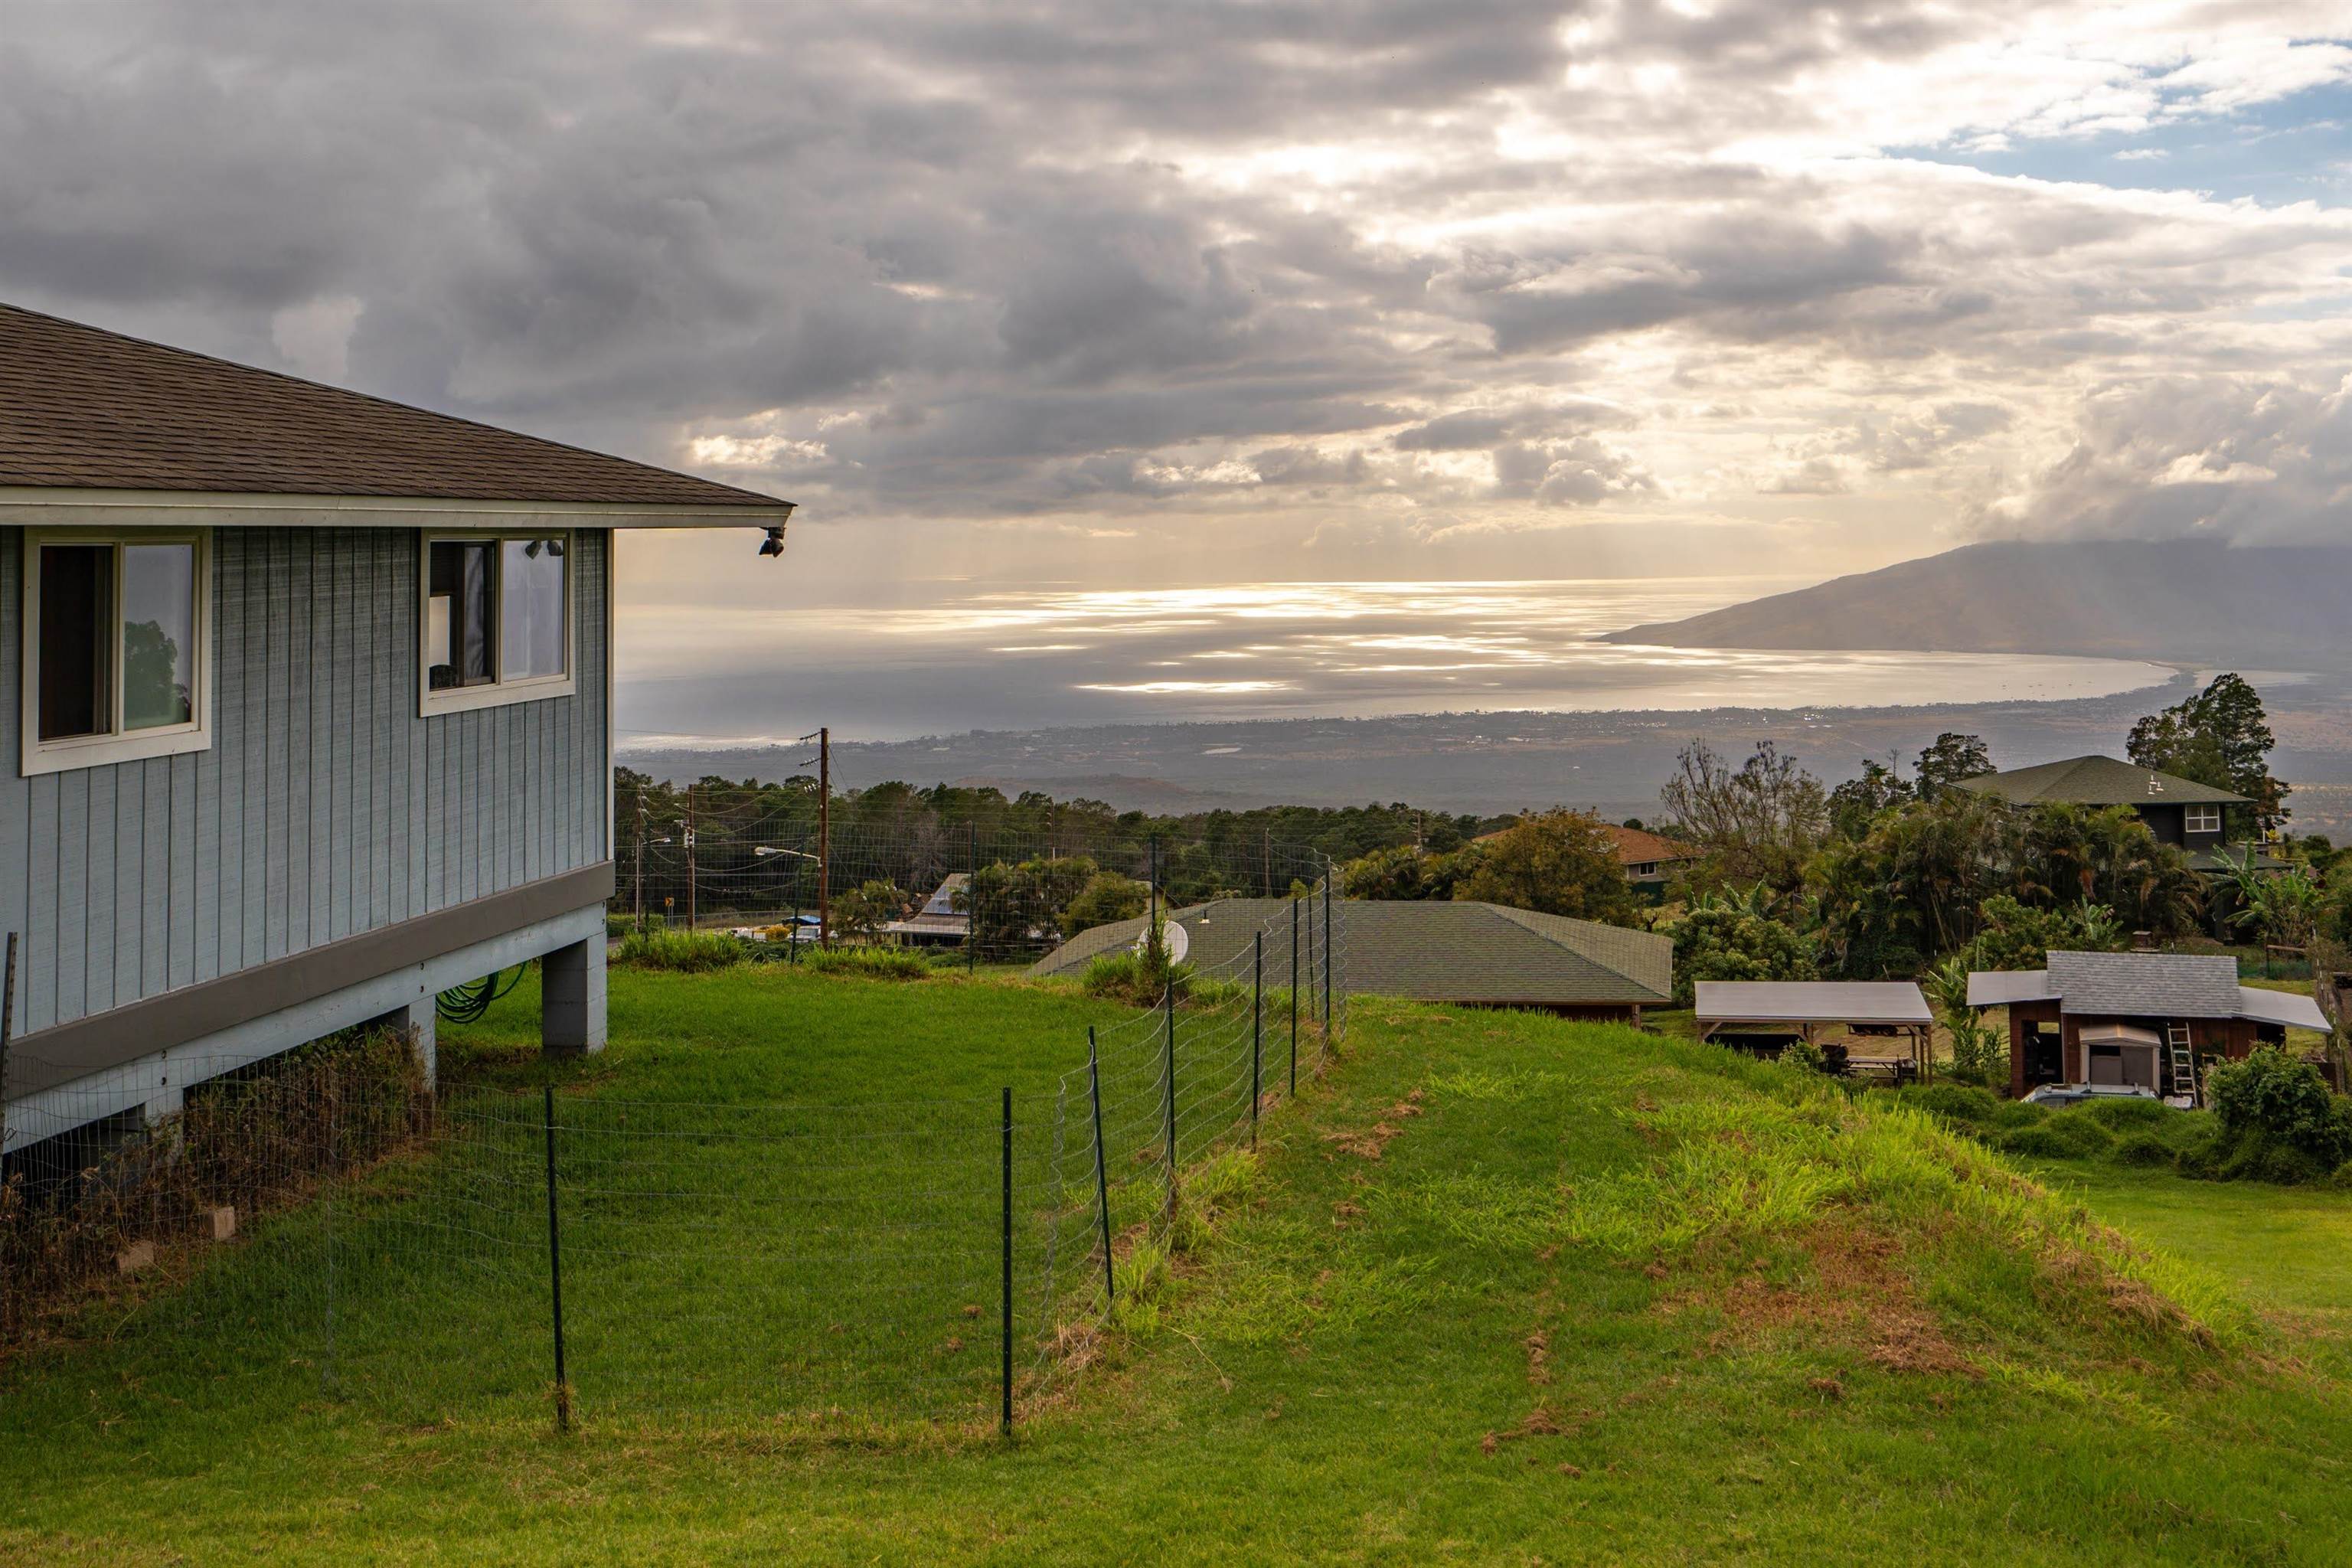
x=2187, y=602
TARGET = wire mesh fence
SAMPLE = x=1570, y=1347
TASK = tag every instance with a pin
x=990, y=885
x=330, y=1220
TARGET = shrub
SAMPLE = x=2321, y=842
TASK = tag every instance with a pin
x=872, y=962
x=2067, y=1135
x=251, y=1140
x=2131, y=1114
x=2282, y=1103
x=1805, y=1056
x=2143, y=1149
x=1107, y=897
x=1133, y=978
x=1970, y=1108
x=1212, y=990
x=687, y=952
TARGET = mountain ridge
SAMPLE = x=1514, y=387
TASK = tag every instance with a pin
x=2182, y=601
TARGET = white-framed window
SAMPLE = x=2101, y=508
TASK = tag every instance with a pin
x=495, y=610
x=118, y=631
x=2204, y=819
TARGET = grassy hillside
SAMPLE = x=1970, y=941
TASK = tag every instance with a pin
x=2183, y=600
x=1502, y=1288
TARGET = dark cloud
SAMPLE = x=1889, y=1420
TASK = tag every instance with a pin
x=993, y=259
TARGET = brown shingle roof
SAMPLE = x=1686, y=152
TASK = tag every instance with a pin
x=81, y=408
x=1638, y=847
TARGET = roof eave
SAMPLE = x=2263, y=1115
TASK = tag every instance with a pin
x=61, y=507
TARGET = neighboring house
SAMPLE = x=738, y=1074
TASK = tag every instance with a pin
x=2178, y=811
x=938, y=924
x=310, y=709
x=2145, y=1019
x=1650, y=861
x=1647, y=859
x=1435, y=951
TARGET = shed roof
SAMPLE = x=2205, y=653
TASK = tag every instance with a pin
x=2287, y=1008
x=1436, y=951
x=1811, y=1001
x=2149, y=984
x=82, y=408
x=2145, y=985
x=1999, y=987
x=2097, y=781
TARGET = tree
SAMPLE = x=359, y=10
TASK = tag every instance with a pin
x=863, y=911
x=1952, y=757
x=2220, y=736
x=1554, y=862
x=2065, y=853
x=1406, y=872
x=2283, y=907
x=1855, y=803
x=1761, y=820
x=1107, y=898
x=1723, y=942
x=1013, y=905
x=2011, y=936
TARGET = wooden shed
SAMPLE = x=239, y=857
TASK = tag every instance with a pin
x=2144, y=1020
x=308, y=702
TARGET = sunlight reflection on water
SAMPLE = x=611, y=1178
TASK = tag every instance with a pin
x=994, y=657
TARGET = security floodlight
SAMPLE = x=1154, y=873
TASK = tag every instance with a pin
x=774, y=543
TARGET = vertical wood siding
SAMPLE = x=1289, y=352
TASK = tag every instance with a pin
x=325, y=808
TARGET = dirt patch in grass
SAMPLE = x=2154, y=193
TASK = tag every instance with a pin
x=1853, y=1293
x=1371, y=1142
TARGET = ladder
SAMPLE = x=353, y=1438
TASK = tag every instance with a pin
x=2183, y=1059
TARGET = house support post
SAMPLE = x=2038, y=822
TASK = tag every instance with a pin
x=416, y=1020
x=572, y=999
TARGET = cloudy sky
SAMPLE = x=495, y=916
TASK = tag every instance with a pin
x=1214, y=291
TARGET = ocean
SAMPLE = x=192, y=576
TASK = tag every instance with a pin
x=976, y=656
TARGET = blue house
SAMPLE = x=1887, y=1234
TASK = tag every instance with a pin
x=309, y=708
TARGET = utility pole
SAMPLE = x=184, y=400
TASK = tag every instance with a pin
x=825, y=836
x=639, y=901
x=691, y=909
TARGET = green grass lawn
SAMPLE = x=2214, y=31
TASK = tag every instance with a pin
x=1503, y=1289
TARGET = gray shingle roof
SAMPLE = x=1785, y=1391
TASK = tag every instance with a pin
x=1811, y=1001
x=2097, y=781
x=83, y=408
x=1434, y=951
x=2149, y=984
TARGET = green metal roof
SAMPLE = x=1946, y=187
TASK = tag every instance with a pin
x=2097, y=781
x=1434, y=951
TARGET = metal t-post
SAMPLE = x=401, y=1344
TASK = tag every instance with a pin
x=1168, y=1005
x=1293, y=998
x=1005, y=1417
x=1102, y=1175
x=555, y=1270
x=1330, y=956
x=1257, y=1024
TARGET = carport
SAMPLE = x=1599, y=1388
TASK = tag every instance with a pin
x=1753, y=1014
